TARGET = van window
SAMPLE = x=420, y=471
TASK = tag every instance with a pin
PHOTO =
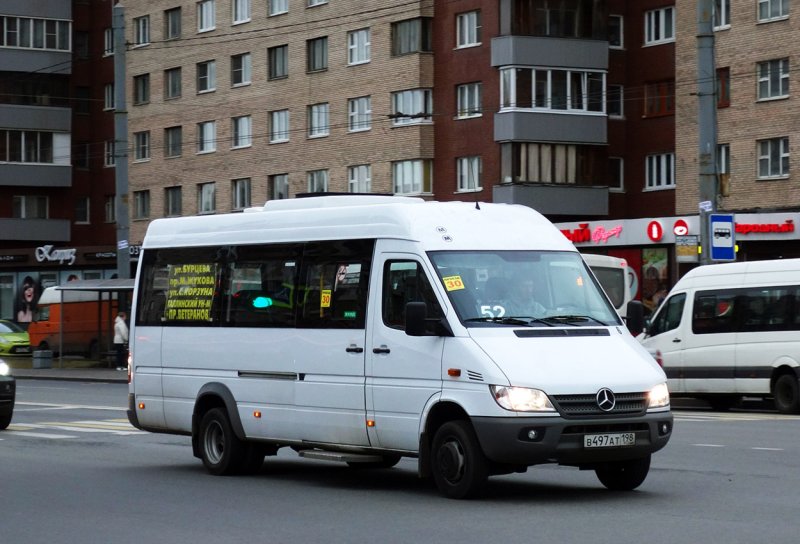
x=768, y=309
x=714, y=312
x=404, y=282
x=669, y=318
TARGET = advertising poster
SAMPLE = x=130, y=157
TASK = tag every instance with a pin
x=27, y=294
x=655, y=277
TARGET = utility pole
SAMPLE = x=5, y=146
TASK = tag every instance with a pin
x=121, y=144
x=706, y=123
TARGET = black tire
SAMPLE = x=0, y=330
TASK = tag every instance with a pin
x=5, y=421
x=388, y=461
x=723, y=403
x=222, y=452
x=624, y=475
x=786, y=392
x=457, y=462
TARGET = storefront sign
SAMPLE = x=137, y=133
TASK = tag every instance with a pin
x=13, y=258
x=655, y=231
x=49, y=254
x=599, y=235
x=680, y=228
x=763, y=228
x=686, y=248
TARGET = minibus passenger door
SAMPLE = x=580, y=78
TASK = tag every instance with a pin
x=403, y=372
x=665, y=339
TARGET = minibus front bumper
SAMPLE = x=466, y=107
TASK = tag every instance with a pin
x=535, y=440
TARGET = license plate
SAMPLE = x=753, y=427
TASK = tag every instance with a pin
x=609, y=440
x=22, y=350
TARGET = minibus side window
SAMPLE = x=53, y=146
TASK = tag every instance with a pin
x=669, y=317
x=404, y=282
x=714, y=312
x=768, y=309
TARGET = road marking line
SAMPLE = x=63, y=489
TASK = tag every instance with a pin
x=41, y=435
x=70, y=406
x=709, y=445
x=768, y=449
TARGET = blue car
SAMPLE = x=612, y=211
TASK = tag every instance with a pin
x=8, y=389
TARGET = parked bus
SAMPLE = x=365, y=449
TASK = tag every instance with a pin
x=615, y=276
x=728, y=330
x=362, y=329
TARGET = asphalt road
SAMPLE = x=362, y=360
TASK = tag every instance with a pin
x=74, y=471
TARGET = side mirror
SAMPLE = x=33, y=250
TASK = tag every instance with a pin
x=635, y=317
x=418, y=324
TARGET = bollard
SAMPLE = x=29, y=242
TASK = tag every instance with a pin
x=42, y=359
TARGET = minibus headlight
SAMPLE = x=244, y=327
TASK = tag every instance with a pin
x=521, y=399
x=659, y=396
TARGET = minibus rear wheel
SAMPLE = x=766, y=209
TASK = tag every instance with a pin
x=786, y=391
x=624, y=475
x=457, y=462
x=222, y=452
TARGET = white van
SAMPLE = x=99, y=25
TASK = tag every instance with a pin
x=364, y=329
x=729, y=330
x=616, y=278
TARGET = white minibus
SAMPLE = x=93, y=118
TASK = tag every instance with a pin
x=616, y=278
x=364, y=329
x=732, y=330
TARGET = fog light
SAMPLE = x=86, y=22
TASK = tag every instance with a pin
x=532, y=434
x=663, y=428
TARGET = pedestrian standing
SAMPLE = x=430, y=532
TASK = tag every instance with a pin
x=121, y=340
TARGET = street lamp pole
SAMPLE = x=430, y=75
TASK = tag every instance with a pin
x=121, y=144
x=706, y=123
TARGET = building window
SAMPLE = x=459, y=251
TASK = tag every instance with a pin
x=724, y=158
x=468, y=173
x=34, y=146
x=722, y=14
x=141, y=145
x=769, y=10
x=564, y=90
x=207, y=198
x=173, y=202
x=240, y=193
x=659, y=26
x=468, y=29
x=206, y=137
x=240, y=69
x=173, y=142
x=773, y=79
x=412, y=107
x=411, y=36
x=359, y=112
x=359, y=178
x=29, y=207
x=773, y=158
x=279, y=126
x=312, y=3
x=317, y=54
x=278, y=59
x=108, y=42
x=616, y=174
x=318, y=181
x=206, y=16
x=108, y=102
x=172, y=83
x=141, y=30
x=552, y=163
x=723, y=87
x=661, y=171
x=279, y=186
x=468, y=100
x=241, y=11
x=318, y=124
x=141, y=204
x=81, y=100
x=206, y=76
x=110, y=209
x=615, y=101
x=242, y=131
x=141, y=89
x=172, y=24
x=616, y=31
x=29, y=33
x=358, y=46
x=276, y=7
x=82, y=216
x=80, y=155
x=659, y=99
x=109, y=155
x=412, y=177
x=82, y=45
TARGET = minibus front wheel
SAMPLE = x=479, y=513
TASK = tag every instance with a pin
x=623, y=475
x=786, y=391
x=457, y=462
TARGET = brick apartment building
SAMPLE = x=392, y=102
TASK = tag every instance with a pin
x=54, y=187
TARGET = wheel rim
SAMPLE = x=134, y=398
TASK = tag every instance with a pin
x=214, y=442
x=451, y=461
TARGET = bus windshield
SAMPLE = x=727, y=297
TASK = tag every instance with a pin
x=534, y=288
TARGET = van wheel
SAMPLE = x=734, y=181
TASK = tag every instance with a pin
x=786, y=391
x=388, y=461
x=624, y=475
x=43, y=346
x=457, y=462
x=5, y=421
x=221, y=451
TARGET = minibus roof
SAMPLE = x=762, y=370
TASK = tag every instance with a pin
x=768, y=272
x=438, y=225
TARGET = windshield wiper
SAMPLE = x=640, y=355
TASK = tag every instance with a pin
x=573, y=319
x=516, y=320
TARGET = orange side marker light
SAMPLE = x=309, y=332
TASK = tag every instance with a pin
x=454, y=372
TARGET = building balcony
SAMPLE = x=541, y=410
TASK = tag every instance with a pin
x=546, y=126
x=555, y=199
x=564, y=53
x=35, y=175
x=35, y=230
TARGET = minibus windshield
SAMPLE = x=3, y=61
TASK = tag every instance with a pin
x=532, y=288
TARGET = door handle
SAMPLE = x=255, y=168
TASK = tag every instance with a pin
x=382, y=349
x=676, y=340
x=352, y=348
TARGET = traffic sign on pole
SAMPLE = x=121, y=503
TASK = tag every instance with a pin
x=722, y=235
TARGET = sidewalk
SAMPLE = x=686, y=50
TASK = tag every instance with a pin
x=73, y=370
